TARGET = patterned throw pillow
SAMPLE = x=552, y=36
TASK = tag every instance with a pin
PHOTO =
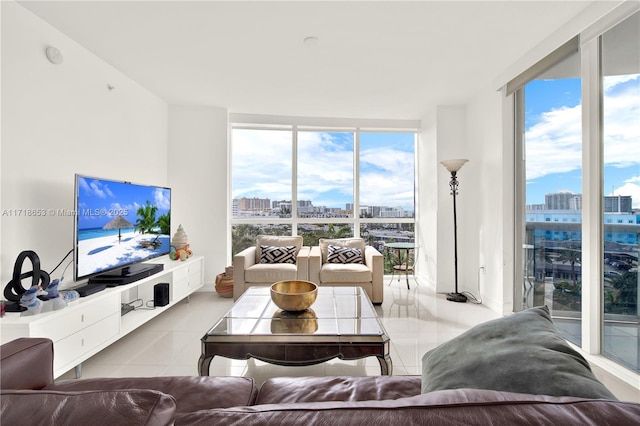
x=275, y=254
x=337, y=254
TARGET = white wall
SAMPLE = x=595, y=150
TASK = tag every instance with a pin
x=490, y=265
x=474, y=132
x=427, y=199
x=451, y=143
x=58, y=120
x=1, y=239
x=444, y=136
x=198, y=178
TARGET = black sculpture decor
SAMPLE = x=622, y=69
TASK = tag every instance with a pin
x=14, y=289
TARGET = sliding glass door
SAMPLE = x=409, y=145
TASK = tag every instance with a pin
x=621, y=172
x=552, y=241
x=577, y=115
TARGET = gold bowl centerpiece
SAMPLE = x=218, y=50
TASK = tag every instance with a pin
x=294, y=296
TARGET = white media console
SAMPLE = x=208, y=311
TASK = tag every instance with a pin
x=92, y=323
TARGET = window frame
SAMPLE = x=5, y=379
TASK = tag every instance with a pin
x=295, y=124
x=592, y=327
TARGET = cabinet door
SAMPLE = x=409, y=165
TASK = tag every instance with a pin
x=74, y=349
x=187, y=279
x=76, y=317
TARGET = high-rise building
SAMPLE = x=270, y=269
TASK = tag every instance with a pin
x=571, y=201
x=254, y=204
x=563, y=201
x=618, y=204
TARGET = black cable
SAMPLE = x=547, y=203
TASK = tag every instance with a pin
x=65, y=270
x=58, y=265
x=141, y=305
x=470, y=297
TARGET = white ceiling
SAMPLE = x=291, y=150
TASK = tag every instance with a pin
x=392, y=60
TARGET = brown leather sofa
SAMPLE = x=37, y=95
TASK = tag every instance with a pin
x=29, y=396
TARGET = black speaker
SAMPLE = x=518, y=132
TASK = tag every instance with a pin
x=161, y=294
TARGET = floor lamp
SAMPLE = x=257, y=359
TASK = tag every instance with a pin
x=453, y=166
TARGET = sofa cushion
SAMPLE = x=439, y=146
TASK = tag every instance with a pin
x=340, y=242
x=276, y=241
x=337, y=254
x=191, y=393
x=275, y=254
x=345, y=273
x=519, y=353
x=279, y=390
x=270, y=272
x=123, y=407
x=470, y=407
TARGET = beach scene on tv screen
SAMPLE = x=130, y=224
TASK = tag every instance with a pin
x=119, y=223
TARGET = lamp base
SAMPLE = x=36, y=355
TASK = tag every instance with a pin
x=456, y=297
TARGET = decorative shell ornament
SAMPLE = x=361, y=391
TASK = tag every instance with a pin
x=179, y=240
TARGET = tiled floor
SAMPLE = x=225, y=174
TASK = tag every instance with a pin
x=416, y=320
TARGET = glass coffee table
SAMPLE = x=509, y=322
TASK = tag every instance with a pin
x=340, y=324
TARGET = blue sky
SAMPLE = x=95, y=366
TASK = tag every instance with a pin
x=262, y=167
x=554, y=141
x=262, y=160
x=99, y=201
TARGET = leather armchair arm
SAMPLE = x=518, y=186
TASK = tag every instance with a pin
x=95, y=407
x=26, y=363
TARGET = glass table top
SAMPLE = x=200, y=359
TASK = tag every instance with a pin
x=342, y=311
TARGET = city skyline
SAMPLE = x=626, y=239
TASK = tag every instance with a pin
x=306, y=207
x=566, y=201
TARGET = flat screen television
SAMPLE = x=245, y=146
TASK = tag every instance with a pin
x=118, y=226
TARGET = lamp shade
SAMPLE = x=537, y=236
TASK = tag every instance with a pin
x=454, y=165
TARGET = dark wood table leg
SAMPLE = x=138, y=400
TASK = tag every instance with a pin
x=203, y=364
x=386, y=366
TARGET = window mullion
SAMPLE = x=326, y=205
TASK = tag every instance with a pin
x=592, y=177
x=356, y=183
x=294, y=181
x=520, y=250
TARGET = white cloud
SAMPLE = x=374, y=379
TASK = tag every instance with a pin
x=261, y=164
x=97, y=188
x=161, y=197
x=385, y=176
x=612, y=81
x=630, y=189
x=262, y=168
x=554, y=145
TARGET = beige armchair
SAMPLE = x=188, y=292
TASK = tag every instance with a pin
x=268, y=262
x=331, y=266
